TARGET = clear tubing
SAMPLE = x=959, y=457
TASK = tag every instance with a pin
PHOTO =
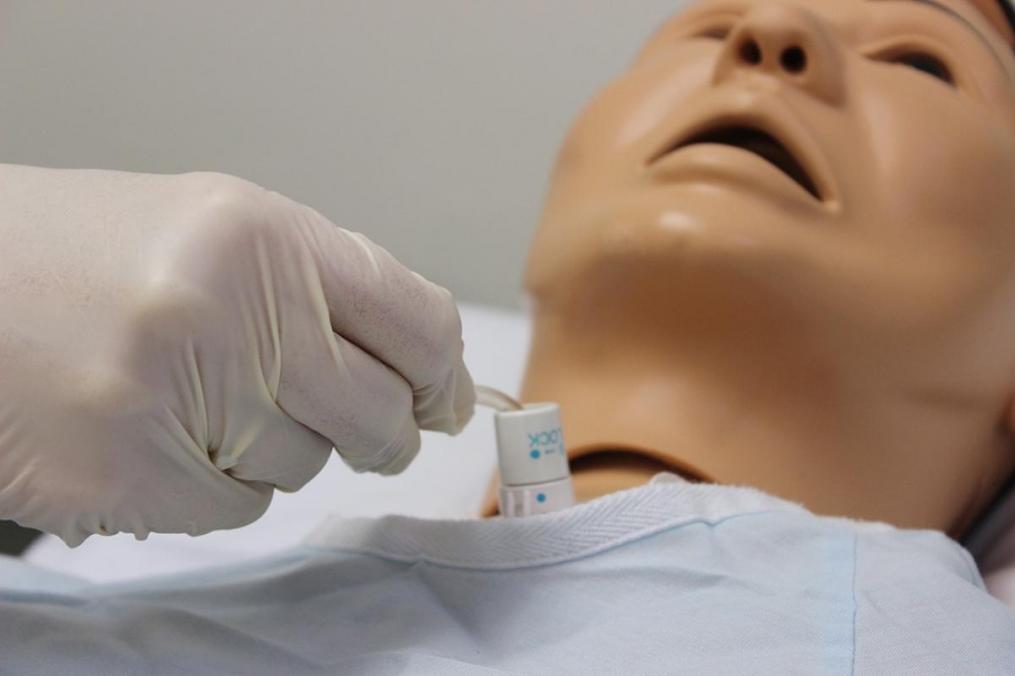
x=495, y=399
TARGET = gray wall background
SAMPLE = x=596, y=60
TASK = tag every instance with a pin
x=429, y=125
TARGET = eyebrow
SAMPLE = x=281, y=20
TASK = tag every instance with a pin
x=955, y=15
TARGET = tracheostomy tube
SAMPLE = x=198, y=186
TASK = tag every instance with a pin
x=534, y=474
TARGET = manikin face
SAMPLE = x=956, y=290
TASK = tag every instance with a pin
x=862, y=148
x=846, y=165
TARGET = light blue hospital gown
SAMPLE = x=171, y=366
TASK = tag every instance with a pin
x=669, y=578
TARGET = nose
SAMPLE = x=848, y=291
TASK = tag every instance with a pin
x=788, y=43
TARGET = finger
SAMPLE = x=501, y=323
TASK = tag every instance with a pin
x=273, y=449
x=358, y=403
x=457, y=391
x=403, y=320
x=150, y=478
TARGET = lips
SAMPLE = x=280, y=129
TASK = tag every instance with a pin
x=775, y=146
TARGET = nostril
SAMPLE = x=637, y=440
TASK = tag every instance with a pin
x=750, y=52
x=794, y=59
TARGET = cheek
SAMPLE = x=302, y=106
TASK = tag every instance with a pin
x=931, y=259
x=605, y=148
x=660, y=83
x=636, y=108
x=942, y=210
x=945, y=166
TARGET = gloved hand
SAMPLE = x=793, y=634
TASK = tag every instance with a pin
x=173, y=348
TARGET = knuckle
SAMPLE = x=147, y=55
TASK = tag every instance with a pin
x=230, y=209
x=224, y=189
x=166, y=325
x=169, y=310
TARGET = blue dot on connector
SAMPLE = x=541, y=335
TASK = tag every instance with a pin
x=535, y=455
x=541, y=497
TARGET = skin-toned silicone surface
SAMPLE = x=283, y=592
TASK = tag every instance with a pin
x=780, y=249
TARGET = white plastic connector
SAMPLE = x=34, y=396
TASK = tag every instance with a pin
x=534, y=474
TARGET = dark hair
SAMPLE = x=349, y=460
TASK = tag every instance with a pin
x=1008, y=7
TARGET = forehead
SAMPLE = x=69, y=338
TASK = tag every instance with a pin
x=995, y=15
x=984, y=16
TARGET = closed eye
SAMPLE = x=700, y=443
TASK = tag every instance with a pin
x=925, y=63
x=920, y=61
x=714, y=33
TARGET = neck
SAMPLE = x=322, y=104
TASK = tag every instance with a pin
x=744, y=413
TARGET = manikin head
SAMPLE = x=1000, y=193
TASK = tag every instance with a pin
x=781, y=248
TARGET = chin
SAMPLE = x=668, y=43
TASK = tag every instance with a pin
x=702, y=229
x=703, y=261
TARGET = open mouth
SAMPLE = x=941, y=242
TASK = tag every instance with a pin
x=760, y=143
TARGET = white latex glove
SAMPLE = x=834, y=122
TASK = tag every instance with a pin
x=174, y=348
